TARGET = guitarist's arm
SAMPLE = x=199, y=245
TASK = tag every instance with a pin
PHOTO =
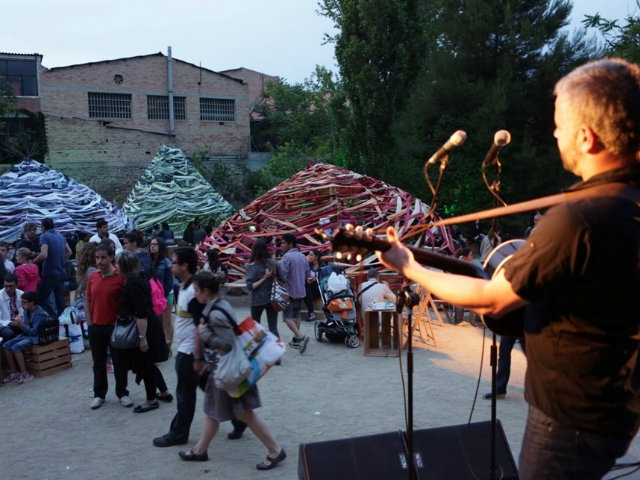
x=494, y=297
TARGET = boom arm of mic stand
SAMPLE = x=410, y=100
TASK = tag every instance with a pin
x=494, y=188
x=444, y=163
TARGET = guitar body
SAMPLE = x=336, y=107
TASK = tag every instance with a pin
x=511, y=324
x=345, y=240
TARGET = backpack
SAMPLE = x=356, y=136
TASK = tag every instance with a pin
x=157, y=296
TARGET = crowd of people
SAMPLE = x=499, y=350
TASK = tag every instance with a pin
x=574, y=278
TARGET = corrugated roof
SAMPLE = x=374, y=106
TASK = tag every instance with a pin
x=22, y=54
x=159, y=54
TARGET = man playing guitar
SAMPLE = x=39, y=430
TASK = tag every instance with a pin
x=578, y=277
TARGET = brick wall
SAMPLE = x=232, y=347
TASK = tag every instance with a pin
x=109, y=155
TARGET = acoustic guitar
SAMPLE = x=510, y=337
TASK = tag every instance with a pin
x=346, y=240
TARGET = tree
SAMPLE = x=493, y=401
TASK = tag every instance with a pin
x=620, y=40
x=492, y=66
x=302, y=119
x=379, y=50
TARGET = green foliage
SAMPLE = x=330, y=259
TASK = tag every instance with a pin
x=229, y=184
x=492, y=67
x=620, y=40
x=304, y=121
x=286, y=161
x=22, y=136
x=379, y=50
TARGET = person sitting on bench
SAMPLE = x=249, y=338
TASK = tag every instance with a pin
x=15, y=348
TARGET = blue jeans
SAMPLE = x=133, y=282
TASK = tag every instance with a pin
x=272, y=317
x=504, y=362
x=186, y=389
x=49, y=284
x=556, y=451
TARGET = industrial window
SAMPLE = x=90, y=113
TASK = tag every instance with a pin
x=158, y=107
x=21, y=75
x=217, y=110
x=109, y=105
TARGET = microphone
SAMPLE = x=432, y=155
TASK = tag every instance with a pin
x=456, y=140
x=500, y=139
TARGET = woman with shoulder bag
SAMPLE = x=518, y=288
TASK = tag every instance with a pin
x=161, y=267
x=217, y=332
x=136, y=302
x=259, y=278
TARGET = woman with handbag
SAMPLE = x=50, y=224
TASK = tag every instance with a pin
x=218, y=333
x=161, y=267
x=260, y=278
x=136, y=305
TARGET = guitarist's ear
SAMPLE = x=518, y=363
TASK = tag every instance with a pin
x=589, y=142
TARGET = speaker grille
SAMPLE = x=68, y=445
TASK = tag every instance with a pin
x=463, y=452
x=370, y=457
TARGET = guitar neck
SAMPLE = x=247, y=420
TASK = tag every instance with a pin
x=357, y=242
x=448, y=264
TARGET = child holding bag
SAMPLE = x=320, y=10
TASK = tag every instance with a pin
x=217, y=333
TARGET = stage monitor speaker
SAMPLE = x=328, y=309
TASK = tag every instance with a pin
x=372, y=457
x=462, y=452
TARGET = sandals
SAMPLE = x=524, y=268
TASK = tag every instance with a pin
x=274, y=461
x=146, y=407
x=192, y=456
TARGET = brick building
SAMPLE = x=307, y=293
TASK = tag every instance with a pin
x=106, y=120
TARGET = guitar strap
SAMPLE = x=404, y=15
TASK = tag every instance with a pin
x=615, y=189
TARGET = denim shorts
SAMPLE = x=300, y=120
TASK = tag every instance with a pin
x=293, y=310
x=19, y=344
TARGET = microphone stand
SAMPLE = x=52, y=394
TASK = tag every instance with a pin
x=495, y=191
x=409, y=299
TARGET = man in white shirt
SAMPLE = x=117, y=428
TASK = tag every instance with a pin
x=184, y=263
x=10, y=307
x=373, y=291
x=4, y=255
x=103, y=232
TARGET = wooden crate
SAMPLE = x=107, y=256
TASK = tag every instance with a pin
x=385, y=340
x=42, y=361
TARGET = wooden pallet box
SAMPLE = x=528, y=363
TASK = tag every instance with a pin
x=45, y=360
x=383, y=340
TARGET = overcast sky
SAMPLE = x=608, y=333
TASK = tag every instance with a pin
x=276, y=37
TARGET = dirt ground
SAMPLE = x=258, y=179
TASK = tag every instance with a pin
x=330, y=392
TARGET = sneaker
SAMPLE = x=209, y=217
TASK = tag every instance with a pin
x=24, y=378
x=11, y=377
x=499, y=396
x=311, y=318
x=295, y=343
x=126, y=401
x=97, y=403
x=109, y=367
x=303, y=344
x=463, y=324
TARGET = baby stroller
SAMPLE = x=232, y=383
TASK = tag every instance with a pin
x=339, y=308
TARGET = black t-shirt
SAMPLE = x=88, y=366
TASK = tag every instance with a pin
x=580, y=269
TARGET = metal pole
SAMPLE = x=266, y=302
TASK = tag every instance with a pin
x=172, y=122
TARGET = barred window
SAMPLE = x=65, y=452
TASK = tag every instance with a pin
x=158, y=107
x=217, y=110
x=109, y=105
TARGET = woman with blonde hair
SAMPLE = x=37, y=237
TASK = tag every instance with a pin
x=152, y=348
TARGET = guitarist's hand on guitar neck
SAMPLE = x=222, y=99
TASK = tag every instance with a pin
x=397, y=257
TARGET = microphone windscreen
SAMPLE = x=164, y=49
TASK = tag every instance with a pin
x=458, y=138
x=502, y=138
